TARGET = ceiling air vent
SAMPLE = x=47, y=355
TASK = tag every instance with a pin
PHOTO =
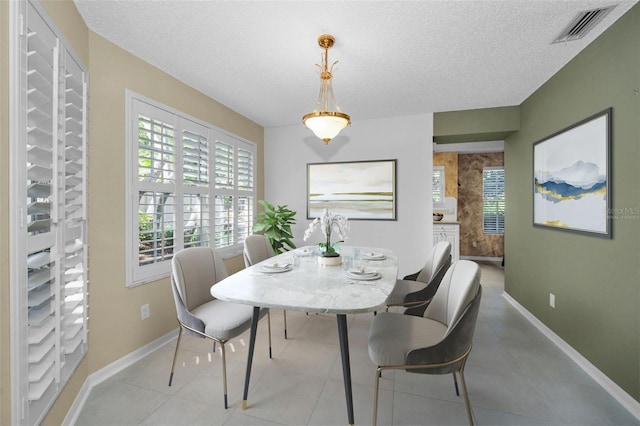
x=582, y=24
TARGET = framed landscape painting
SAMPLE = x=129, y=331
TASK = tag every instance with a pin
x=356, y=189
x=571, y=182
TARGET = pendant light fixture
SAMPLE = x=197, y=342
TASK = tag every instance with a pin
x=326, y=121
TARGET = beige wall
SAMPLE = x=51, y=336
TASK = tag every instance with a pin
x=115, y=328
x=115, y=325
x=470, y=206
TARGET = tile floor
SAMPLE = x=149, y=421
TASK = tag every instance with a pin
x=514, y=374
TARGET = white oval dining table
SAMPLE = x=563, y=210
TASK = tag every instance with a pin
x=312, y=288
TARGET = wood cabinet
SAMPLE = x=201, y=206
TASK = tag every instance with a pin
x=448, y=231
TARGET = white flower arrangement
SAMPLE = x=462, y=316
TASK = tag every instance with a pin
x=329, y=223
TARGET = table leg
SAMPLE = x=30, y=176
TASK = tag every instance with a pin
x=252, y=345
x=346, y=365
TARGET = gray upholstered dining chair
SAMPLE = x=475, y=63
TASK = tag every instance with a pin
x=194, y=271
x=257, y=249
x=415, y=291
x=438, y=342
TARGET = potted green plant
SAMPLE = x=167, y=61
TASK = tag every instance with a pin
x=275, y=223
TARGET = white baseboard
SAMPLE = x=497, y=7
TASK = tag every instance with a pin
x=482, y=258
x=111, y=370
x=626, y=400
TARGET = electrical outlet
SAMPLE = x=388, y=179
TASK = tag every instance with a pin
x=145, y=311
x=552, y=300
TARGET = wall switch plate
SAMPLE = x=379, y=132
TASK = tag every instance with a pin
x=144, y=311
x=552, y=300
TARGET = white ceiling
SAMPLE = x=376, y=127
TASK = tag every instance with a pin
x=396, y=57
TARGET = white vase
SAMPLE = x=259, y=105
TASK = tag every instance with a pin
x=330, y=261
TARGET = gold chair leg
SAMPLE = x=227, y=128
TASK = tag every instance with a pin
x=375, y=397
x=466, y=396
x=224, y=374
x=175, y=356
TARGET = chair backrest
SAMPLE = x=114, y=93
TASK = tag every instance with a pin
x=458, y=288
x=454, y=344
x=256, y=249
x=438, y=257
x=194, y=271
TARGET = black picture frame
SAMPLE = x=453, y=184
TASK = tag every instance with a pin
x=358, y=190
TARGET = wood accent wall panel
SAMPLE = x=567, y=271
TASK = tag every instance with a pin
x=450, y=162
x=470, y=206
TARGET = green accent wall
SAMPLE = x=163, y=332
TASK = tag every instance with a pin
x=596, y=281
x=476, y=125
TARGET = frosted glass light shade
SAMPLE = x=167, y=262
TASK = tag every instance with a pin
x=326, y=124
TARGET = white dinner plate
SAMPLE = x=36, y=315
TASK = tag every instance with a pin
x=361, y=277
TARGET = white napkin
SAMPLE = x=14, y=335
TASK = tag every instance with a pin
x=373, y=256
x=305, y=251
x=274, y=267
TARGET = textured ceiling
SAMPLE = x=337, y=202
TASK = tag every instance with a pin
x=396, y=57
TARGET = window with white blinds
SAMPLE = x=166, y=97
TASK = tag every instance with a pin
x=48, y=222
x=493, y=200
x=437, y=185
x=192, y=185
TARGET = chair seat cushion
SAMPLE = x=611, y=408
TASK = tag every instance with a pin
x=393, y=335
x=402, y=288
x=225, y=320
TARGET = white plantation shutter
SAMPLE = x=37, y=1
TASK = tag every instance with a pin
x=245, y=193
x=196, y=220
x=223, y=219
x=235, y=191
x=155, y=136
x=196, y=179
x=224, y=198
x=437, y=184
x=493, y=200
x=187, y=176
x=49, y=284
x=75, y=211
x=156, y=145
x=245, y=170
x=224, y=165
x=195, y=159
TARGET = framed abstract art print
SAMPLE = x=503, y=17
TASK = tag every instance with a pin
x=572, y=178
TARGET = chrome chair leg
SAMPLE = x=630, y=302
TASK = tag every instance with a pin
x=375, y=397
x=224, y=374
x=175, y=356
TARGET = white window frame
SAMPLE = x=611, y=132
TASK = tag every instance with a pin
x=497, y=230
x=438, y=186
x=140, y=274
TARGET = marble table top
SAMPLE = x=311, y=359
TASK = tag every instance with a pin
x=311, y=287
